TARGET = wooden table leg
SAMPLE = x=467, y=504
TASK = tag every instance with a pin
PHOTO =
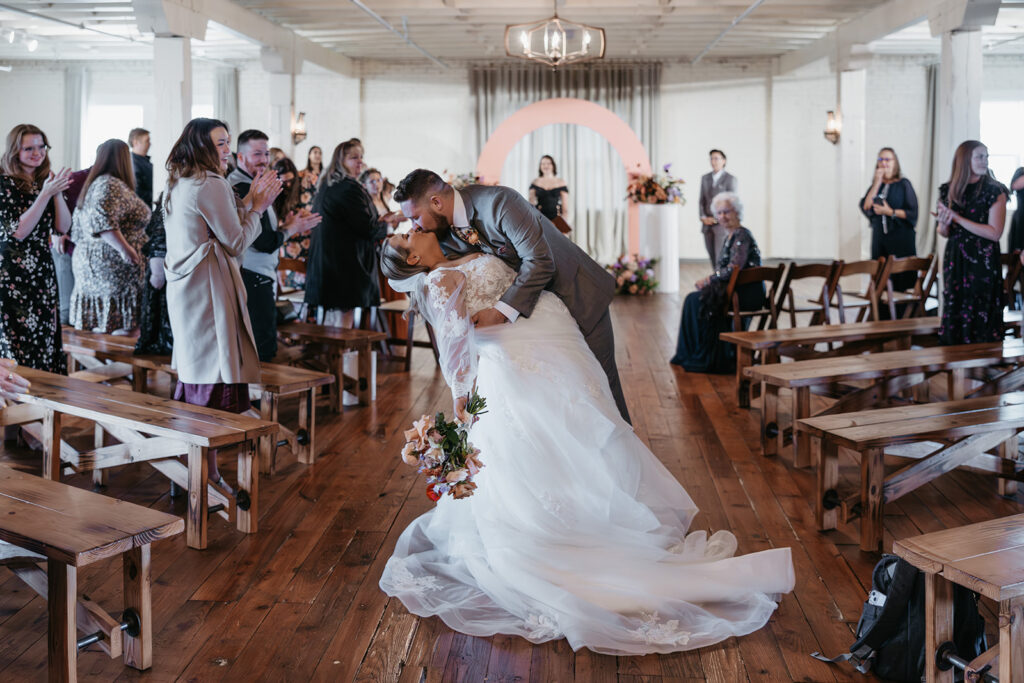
x=249, y=481
x=138, y=650
x=62, y=632
x=770, y=443
x=872, y=481
x=338, y=388
x=140, y=379
x=363, y=389
x=268, y=444
x=955, y=381
x=1010, y=451
x=307, y=421
x=51, y=445
x=938, y=625
x=744, y=359
x=1011, y=640
x=827, y=462
x=801, y=443
x=196, y=521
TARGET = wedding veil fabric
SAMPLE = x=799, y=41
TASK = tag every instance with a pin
x=576, y=529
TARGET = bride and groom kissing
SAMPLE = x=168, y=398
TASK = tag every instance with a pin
x=576, y=529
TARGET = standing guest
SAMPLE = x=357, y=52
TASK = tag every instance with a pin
x=971, y=212
x=276, y=154
x=1017, y=224
x=61, y=248
x=311, y=176
x=342, y=270
x=891, y=206
x=290, y=199
x=259, y=264
x=109, y=229
x=298, y=247
x=698, y=348
x=31, y=207
x=549, y=193
x=208, y=227
x=155, y=334
x=711, y=185
x=373, y=181
x=138, y=139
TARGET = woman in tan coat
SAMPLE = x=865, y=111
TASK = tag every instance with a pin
x=207, y=228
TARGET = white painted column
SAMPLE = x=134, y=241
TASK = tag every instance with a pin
x=960, y=84
x=281, y=85
x=851, y=161
x=172, y=79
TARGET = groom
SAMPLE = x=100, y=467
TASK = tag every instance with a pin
x=498, y=220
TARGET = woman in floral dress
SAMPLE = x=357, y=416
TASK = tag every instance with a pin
x=31, y=207
x=298, y=247
x=971, y=212
x=109, y=231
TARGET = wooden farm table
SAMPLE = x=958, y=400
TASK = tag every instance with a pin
x=799, y=342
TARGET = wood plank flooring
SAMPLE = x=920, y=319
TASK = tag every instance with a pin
x=299, y=600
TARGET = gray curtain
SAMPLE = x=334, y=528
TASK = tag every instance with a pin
x=74, y=115
x=225, y=103
x=592, y=169
x=928, y=191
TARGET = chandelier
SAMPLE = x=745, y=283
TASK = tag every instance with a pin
x=554, y=41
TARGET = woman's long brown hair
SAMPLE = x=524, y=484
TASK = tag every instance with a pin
x=10, y=163
x=960, y=176
x=193, y=154
x=335, y=171
x=114, y=158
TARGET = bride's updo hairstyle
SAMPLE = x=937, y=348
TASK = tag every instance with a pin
x=394, y=263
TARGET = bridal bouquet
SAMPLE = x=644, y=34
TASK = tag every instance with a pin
x=443, y=452
x=661, y=188
x=634, y=275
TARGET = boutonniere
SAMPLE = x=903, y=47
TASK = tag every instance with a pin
x=469, y=235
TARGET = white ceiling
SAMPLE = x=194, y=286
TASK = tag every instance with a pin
x=460, y=30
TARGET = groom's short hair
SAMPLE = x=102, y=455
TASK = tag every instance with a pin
x=417, y=184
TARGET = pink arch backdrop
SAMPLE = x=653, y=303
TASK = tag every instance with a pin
x=567, y=110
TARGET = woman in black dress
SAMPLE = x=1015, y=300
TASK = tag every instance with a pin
x=699, y=349
x=341, y=270
x=1017, y=223
x=891, y=206
x=31, y=207
x=971, y=212
x=549, y=193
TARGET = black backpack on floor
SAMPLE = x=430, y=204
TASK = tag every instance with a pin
x=890, y=633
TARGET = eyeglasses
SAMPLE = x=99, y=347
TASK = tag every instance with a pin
x=885, y=159
x=37, y=148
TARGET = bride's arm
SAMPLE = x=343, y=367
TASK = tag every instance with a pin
x=453, y=329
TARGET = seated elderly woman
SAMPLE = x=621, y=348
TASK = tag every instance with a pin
x=704, y=316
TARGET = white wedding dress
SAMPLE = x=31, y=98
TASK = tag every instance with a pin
x=576, y=530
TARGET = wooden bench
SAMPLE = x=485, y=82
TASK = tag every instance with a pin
x=177, y=429
x=276, y=382
x=988, y=558
x=950, y=435
x=335, y=341
x=799, y=342
x=68, y=528
x=889, y=373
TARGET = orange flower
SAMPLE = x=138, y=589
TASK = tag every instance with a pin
x=463, y=489
x=456, y=476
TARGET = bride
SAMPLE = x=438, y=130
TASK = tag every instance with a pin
x=576, y=529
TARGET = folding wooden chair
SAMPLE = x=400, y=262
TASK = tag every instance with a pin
x=912, y=302
x=863, y=302
x=1013, y=280
x=818, y=306
x=767, y=316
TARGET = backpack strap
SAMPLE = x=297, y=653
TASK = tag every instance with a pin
x=862, y=658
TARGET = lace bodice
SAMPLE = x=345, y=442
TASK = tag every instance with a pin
x=453, y=296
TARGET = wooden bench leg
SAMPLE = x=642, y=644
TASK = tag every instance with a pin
x=140, y=379
x=872, y=481
x=62, y=633
x=410, y=325
x=771, y=441
x=307, y=421
x=1011, y=640
x=268, y=444
x=827, y=462
x=338, y=388
x=51, y=445
x=138, y=650
x=801, y=443
x=248, y=481
x=363, y=388
x=938, y=625
x=198, y=472
x=99, y=477
x=744, y=359
x=1009, y=450
x=955, y=384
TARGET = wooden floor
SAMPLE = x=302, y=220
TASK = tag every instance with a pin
x=299, y=600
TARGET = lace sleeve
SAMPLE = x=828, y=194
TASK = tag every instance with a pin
x=445, y=310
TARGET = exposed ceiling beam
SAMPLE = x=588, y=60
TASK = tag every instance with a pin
x=872, y=25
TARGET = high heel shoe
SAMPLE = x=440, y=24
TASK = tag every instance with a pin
x=223, y=486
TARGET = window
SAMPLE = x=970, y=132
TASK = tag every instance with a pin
x=103, y=122
x=1002, y=134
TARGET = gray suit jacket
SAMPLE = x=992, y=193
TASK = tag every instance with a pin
x=544, y=258
x=708, y=190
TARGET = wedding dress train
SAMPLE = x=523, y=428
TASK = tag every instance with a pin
x=576, y=529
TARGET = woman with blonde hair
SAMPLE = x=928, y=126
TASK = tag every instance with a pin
x=31, y=207
x=109, y=230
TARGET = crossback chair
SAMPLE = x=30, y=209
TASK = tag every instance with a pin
x=768, y=315
x=818, y=306
x=292, y=294
x=861, y=302
x=1013, y=280
x=912, y=302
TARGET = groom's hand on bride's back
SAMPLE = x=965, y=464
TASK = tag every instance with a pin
x=488, y=317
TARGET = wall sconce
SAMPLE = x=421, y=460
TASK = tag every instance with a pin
x=833, y=128
x=299, y=128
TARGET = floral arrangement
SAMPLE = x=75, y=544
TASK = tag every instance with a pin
x=441, y=449
x=461, y=180
x=634, y=275
x=662, y=188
